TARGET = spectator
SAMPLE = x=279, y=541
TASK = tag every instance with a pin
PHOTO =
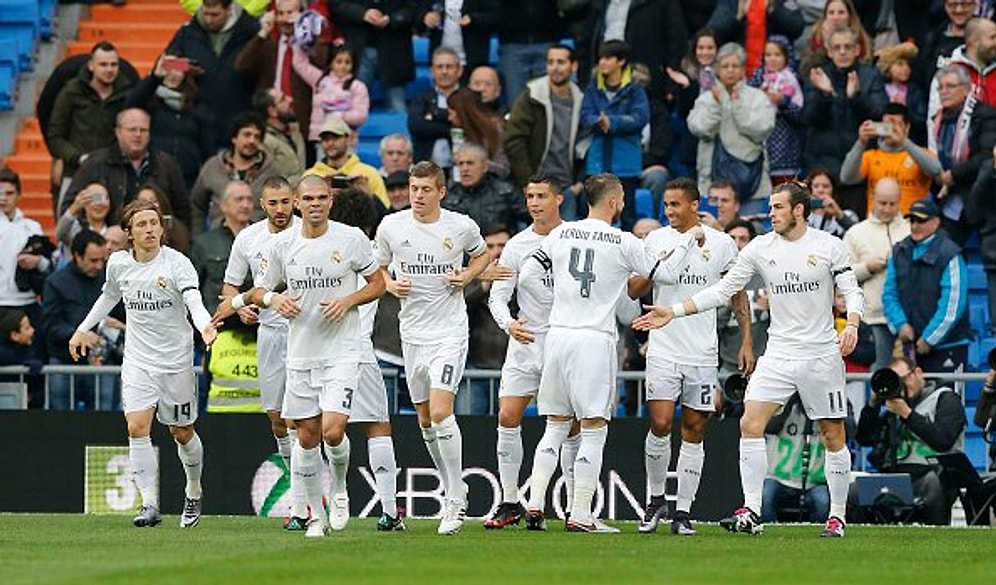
x=69, y=294
x=465, y=26
x=838, y=14
x=732, y=122
x=213, y=38
x=893, y=155
x=283, y=139
x=613, y=114
x=982, y=204
x=177, y=234
x=939, y=44
x=479, y=125
x=696, y=76
x=655, y=141
x=16, y=230
x=122, y=168
x=381, y=33
x=116, y=238
x=181, y=126
x=397, y=191
x=962, y=133
x=777, y=79
x=428, y=119
x=243, y=159
x=924, y=420
x=925, y=297
x=523, y=39
x=839, y=95
x=870, y=244
x=826, y=213
x=88, y=211
x=211, y=249
x=749, y=23
x=486, y=199
x=266, y=61
x=84, y=113
x=334, y=135
x=542, y=127
x=395, y=154
x=896, y=66
x=485, y=81
x=17, y=348
x=337, y=92
x=976, y=56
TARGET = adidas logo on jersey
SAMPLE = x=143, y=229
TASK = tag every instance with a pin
x=380, y=469
x=293, y=262
x=583, y=460
x=406, y=244
x=549, y=451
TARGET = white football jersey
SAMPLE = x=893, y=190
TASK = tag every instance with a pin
x=692, y=340
x=426, y=253
x=159, y=337
x=799, y=276
x=315, y=270
x=250, y=256
x=591, y=262
x=532, y=285
x=368, y=314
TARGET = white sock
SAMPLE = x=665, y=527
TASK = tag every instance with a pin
x=307, y=470
x=690, y=459
x=145, y=469
x=385, y=470
x=192, y=457
x=432, y=445
x=587, y=469
x=284, y=445
x=656, y=460
x=568, y=454
x=339, y=462
x=838, y=472
x=450, y=442
x=545, y=461
x=753, y=466
x=509, y=450
x=299, y=501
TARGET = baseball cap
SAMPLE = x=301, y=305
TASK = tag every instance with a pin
x=396, y=179
x=334, y=126
x=923, y=209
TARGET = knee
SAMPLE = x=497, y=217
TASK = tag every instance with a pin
x=438, y=414
x=509, y=419
x=751, y=427
x=333, y=434
x=138, y=430
x=182, y=435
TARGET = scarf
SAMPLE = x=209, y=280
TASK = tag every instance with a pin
x=171, y=97
x=959, y=144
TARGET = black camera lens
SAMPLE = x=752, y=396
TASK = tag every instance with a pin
x=886, y=384
x=735, y=388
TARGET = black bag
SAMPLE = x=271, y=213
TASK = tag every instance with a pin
x=745, y=175
x=34, y=280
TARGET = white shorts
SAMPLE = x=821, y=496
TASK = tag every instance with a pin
x=438, y=366
x=322, y=389
x=370, y=399
x=579, y=374
x=694, y=385
x=271, y=356
x=819, y=382
x=173, y=394
x=520, y=374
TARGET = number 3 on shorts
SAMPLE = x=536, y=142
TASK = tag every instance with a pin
x=347, y=402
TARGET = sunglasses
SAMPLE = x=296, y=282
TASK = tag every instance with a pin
x=917, y=219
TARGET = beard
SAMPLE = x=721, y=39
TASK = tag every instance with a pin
x=788, y=226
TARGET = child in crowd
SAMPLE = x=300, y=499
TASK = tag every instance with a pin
x=337, y=92
x=895, y=63
x=778, y=80
x=17, y=336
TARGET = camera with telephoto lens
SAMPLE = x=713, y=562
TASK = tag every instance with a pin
x=886, y=384
x=734, y=388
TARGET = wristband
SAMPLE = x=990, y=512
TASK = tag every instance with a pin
x=851, y=325
x=238, y=301
x=678, y=309
x=268, y=298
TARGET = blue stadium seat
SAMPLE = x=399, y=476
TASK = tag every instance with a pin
x=380, y=124
x=369, y=151
x=47, y=18
x=644, y=204
x=8, y=73
x=493, y=51
x=976, y=277
x=420, y=45
x=976, y=447
x=20, y=20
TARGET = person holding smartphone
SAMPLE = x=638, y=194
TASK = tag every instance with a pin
x=89, y=210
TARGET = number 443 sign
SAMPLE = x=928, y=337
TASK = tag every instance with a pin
x=108, y=487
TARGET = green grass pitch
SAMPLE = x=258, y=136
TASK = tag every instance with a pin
x=72, y=549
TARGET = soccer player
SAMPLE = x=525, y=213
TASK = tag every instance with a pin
x=356, y=208
x=590, y=262
x=158, y=286
x=425, y=246
x=800, y=267
x=681, y=360
x=249, y=257
x=532, y=286
x=320, y=265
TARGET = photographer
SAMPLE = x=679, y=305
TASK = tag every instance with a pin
x=985, y=410
x=920, y=421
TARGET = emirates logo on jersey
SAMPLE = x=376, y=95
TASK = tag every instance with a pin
x=812, y=260
x=336, y=256
x=447, y=243
x=161, y=282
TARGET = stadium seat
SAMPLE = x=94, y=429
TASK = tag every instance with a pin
x=420, y=45
x=644, y=204
x=493, y=51
x=46, y=21
x=20, y=21
x=380, y=124
x=369, y=151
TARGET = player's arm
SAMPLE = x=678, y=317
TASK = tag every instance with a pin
x=400, y=288
x=83, y=338
x=638, y=286
x=462, y=277
x=249, y=313
x=854, y=300
x=336, y=309
x=741, y=310
x=202, y=319
x=668, y=269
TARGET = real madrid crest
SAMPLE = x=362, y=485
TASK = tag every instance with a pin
x=447, y=243
x=706, y=255
x=812, y=260
x=161, y=282
x=336, y=256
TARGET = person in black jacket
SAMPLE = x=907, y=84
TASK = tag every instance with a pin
x=982, y=206
x=212, y=39
x=477, y=20
x=428, y=114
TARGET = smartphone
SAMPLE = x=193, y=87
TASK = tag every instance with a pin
x=98, y=197
x=341, y=182
x=816, y=203
x=883, y=128
x=178, y=64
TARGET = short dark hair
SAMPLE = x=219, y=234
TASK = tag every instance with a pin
x=262, y=100
x=242, y=120
x=276, y=182
x=741, y=223
x=726, y=184
x=542, y=178
x=798, y=195
x=105, y=46
x=10, y=321
x=596, y=187
x=428, y=169
x=84, y=239
x=222, y=3
x=9, y=175
x=495, y=228
x=355, y=207
x=896, y=109
x=688, y=187
x=615, y=48
x=562, y=47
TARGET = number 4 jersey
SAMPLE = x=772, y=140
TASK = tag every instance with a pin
x=591, y=262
